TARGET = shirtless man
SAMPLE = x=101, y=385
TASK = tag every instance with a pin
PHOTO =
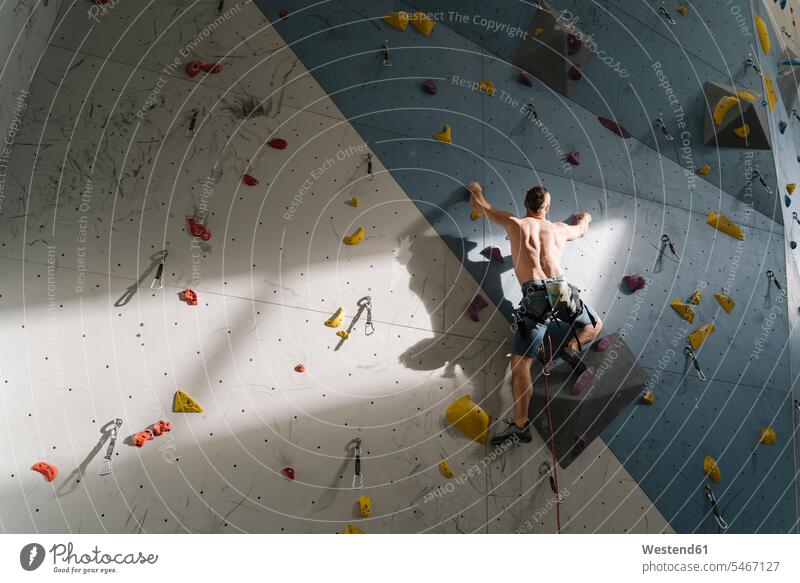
x=537, y=246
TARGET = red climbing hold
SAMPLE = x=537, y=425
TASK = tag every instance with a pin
x=278, y=143
x=101, y=2
x=634, y=282
x=288, y=472
x=212, y=68
x=193, y=68
x=574, y=44
x=430, y=87
x=526, y=79
x=614, y=127
x=142, y=436
x=160, y=427
x=189, y=296
x=283, y=14
x=300, y=368
x=250, y=180
x=603, y=344
x=49, y=471
x=475, y=306
x=493, y=253
x=198, y=229
x=574, y=158
x=575, y=73
x=583, y=382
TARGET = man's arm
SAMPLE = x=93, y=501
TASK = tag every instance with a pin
x=580, y=227
x=480, y=204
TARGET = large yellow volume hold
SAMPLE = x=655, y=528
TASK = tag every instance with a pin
x=723, y=106
x=445, y=469
x=336, y=320
x=355, y=238
x=726, y=302
x=763, y=35
x=422, y=23
x=699, y=336
x=469, y=418
x=724, y=224
x=183, y=403
x=365, y=506
x=397, y=20
x=711, y=469
x=685, y=311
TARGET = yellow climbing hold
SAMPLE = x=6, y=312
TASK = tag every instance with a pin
x=711, y=469
x=469, y=418
x=365, y=506
x=746, y=95
x=445, y=469
x=726, y=302
x=704, y=170
x=183, y=403
x=743, y=131
x=724, y=224
x=682, y=10
x=790, y=187
x=445, y=136
x=763, y=35
x=352, y=529
x=699, y=336
x=343, y=334
x=336, y=320
x=723, y=106
x=539, y=30
x=397, y=20
x=684, y=311
x=772, y=98
x=648, y=397
x=696, y=297
x=355, y=238
x=487, y=86
x=353, y=202
x=475, y=215
x=768, y=436
x=422, y=23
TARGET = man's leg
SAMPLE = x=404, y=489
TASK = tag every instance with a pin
x=522, y=387
x=585, y=334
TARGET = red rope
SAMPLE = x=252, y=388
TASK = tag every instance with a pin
x=552, y=441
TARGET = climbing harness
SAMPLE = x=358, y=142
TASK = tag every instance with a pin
x=157, y=281
x=192, y=123
x=358, y=477
x=552, y=470
x=667, y=16
x=763, y=182
x=365, y=303
x=749, y=62
x=386, y=61
x=771, y=275
x=105, y=466
x=666, y=239
x=370, y=175
x=660, y=124
x=689, y=351
x=715, y=509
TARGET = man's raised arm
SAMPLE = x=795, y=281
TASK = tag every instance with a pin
x=480, y=204
x=580, y=227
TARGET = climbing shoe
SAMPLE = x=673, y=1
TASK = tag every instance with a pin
x=573, y=358
x=513, y=433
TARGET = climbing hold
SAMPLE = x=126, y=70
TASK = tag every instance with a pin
x=139, y=438
x=365, y=506
x=700, y=335
x=283, y=14
x=742, y=131
x=648, y=397
x=696, y=297
x=446, y=135
x=584, y=382
x=278, y=143
x=724, y=224
x=726, y=302
x=212, y=68
x=790, y=187
x=475, y=215
x=397, y=20
x=746, y=95
x=782, y=126
x=711, y=469
x=250, y=180
x=352, y=529
x=685, y=311
x=343, y=334
x=634, y=282
x=763, y=35
x=466, y=416
x=574, y=158
x=430, y=87
x=49, y=471
x=288, y=472
x=793, y=244
x=300, y=368
x=189, y=296
x=614, y=127
x=422, y=23
x=603, y=344
x=355, y=238
x=198, y=229
x=538, y=30
x=160, y=427
x=574, y=44
x=336, y=320
x=787, y=201
x=445, y=470
x=772, y=97
x=183, y=403
x=493, y=253
x=487, y=86
x=704, y=170
x=575, y=73
x=475, y=306
x=193, y=68
x=724, y=105
x=768, y=436
x=682, y=10
x=353, y=202
x=525, y=79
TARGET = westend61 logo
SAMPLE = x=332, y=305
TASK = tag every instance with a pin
x=65, y=560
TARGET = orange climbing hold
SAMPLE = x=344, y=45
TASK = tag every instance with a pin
x=49, y=471
x=141, y=437
x=189, y=296
x=300, y=368
x=160, y=427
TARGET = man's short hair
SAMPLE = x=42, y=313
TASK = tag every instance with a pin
x=535, y=198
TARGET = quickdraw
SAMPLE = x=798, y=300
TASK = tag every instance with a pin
x=370, y=175
x=386, y=61
x=358, y=477
x=771, y=275
x=749, y=62
x=763, y=182
x=365, y=303
x=689, y=351
x=715, y=509
x=157, y=281
x=105, y=466
x=666, y=239
x=667, y=16
x=192, y=124
x=660, y=124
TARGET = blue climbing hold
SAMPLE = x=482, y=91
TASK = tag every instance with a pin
x=783, y=4
x=782, y=126
x=793, y=245
x=787, y=201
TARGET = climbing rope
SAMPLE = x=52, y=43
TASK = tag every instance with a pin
x=551, y=440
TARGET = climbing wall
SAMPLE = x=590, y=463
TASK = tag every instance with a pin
x=119, y=146
x=638, y=189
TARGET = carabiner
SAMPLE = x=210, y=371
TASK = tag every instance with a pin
x=358, y=477
x=105, y=466
x=157, y=282
x=715, y=509
x=666, y=239
x=689, y=351
x=771, y=275
x=365, y=303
